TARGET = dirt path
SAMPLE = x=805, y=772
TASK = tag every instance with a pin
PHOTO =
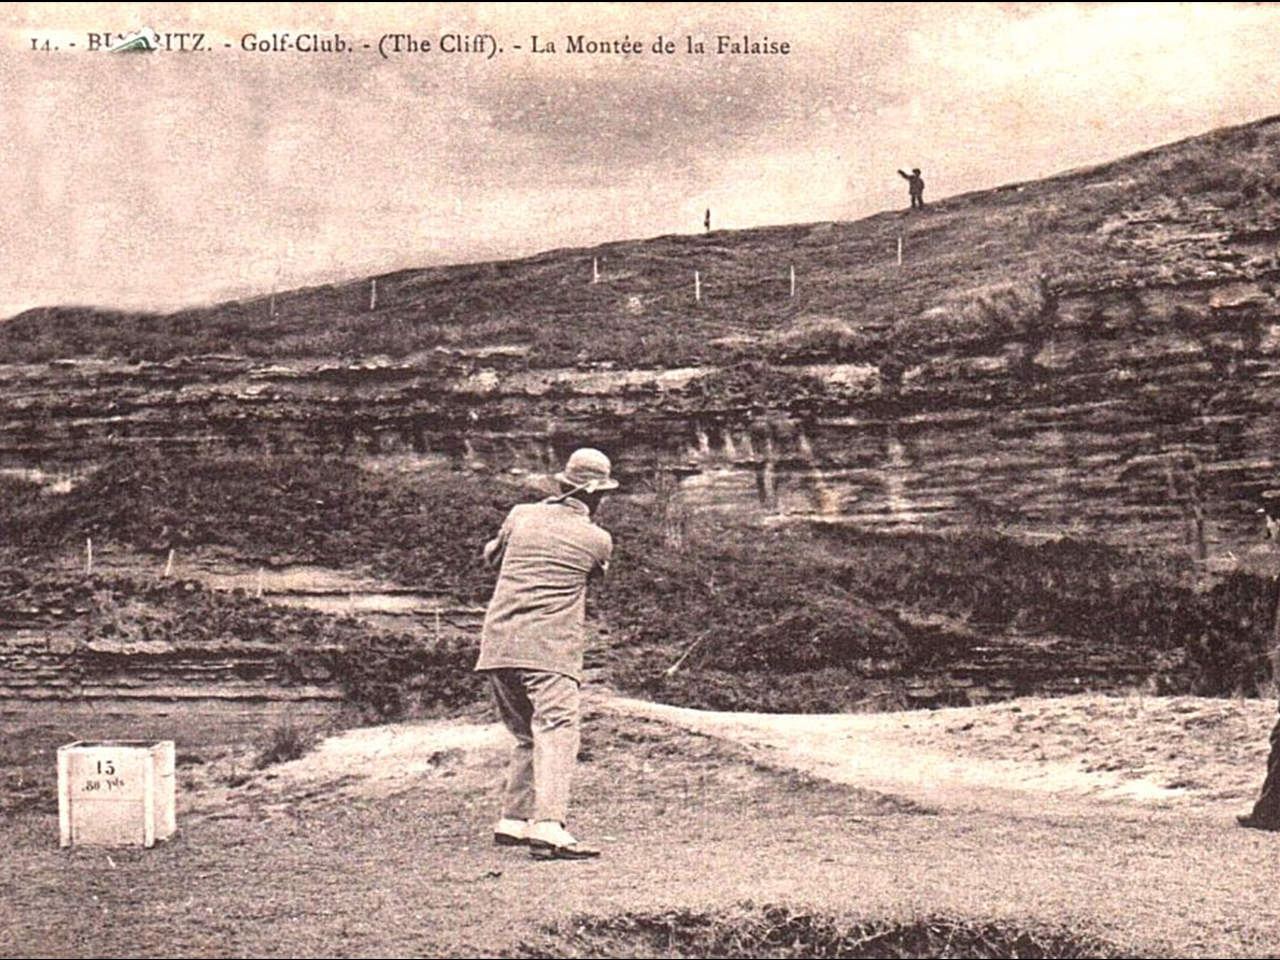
x=1085, y=752
x=1077, y=755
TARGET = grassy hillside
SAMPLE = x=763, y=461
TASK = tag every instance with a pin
x=975, y=267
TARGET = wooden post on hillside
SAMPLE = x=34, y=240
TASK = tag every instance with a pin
x=697, y=287
x=168, y=565
x=793, y=280
x=595, y=269
x=899, y=249
x=88, y=555
x=373, y=294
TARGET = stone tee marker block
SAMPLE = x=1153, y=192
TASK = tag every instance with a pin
x=116, y=793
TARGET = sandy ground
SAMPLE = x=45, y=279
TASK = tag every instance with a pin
x=1187, y=753
x=1085, y=753
x=364, y=762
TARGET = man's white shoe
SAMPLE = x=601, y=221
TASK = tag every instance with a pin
x=511, y=833
x=549, y=840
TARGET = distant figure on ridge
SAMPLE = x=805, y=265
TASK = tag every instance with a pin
x=915, y=185
x=706, y=221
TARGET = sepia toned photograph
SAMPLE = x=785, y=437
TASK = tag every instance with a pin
x=639, y=480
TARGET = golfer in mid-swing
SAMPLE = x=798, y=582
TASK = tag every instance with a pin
x=532, y=646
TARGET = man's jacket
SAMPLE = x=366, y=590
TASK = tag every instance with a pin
x=545, y=553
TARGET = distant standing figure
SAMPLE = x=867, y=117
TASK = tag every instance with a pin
x=1265, y=814
x=706, y=221
x=915, y=185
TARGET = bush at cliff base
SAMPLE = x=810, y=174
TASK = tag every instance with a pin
x=276, y=510
x=789, y=618
x=124, y=628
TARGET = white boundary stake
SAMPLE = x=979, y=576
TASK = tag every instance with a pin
x=168, y=566
x=697, y=287
x=373, y=294
x=595, y=269
x=259, y=582
x=899, y=250
x=88, y=555
x=793, y=279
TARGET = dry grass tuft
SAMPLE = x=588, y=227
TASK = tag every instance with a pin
x=778, y=931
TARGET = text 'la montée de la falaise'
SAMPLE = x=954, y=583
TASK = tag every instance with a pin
x=722, y=44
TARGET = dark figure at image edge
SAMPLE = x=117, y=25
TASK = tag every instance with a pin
x=915, y=187
x=1266, y=812
x=532, y=645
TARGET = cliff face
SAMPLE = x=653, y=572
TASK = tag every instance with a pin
x=1096, y=353
x=1097, y=428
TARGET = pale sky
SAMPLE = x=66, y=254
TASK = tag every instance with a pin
x=166, y=179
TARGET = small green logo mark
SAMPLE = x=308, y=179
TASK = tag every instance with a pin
x=140, y=41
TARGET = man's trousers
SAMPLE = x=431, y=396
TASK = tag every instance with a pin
x=541, y=710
